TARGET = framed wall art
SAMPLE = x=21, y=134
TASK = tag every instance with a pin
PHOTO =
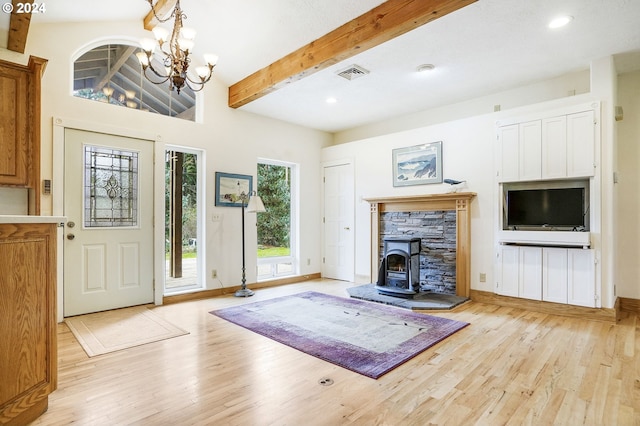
x=230, y=187
x=418, y=165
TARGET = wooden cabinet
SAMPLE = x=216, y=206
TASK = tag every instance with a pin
x=28, y=354
x=551, y=274
x=552, y=148
x=20, y=127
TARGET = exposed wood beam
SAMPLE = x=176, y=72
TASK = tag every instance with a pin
x=381, y=24
x=162, y=8
x=18, y=29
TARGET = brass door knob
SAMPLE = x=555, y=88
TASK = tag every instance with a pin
x=70, y=236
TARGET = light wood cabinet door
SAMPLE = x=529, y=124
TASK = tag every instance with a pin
x=14, y=137
x=20, y=88
x=28, y=354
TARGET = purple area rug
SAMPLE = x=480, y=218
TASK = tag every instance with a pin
x=368, y=338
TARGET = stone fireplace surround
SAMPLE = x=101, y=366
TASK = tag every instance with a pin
x=458, y=202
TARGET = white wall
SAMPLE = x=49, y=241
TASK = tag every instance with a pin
x=468, y=154
x=233, y=141
x=576, y=83
x=627, y=235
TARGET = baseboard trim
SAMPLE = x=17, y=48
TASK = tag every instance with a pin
x=205, y=294
x=629, y=305
x=598, y=314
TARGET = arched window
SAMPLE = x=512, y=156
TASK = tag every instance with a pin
x=112, y=73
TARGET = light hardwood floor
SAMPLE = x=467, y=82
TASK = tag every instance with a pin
x=509, y=366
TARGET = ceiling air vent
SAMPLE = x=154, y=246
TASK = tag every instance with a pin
x=353, y=72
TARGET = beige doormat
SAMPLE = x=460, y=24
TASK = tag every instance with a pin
x=111, y=331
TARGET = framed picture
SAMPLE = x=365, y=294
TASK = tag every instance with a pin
x=418, y=165
x=229, y=188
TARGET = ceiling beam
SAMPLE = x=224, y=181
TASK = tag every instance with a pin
x=162, y=8
x=18, y=29
x=379, y=25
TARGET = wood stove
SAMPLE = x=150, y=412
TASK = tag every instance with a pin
x=399, y=273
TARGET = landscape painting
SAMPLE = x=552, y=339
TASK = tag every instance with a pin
x=418, y=165
x=230, y=187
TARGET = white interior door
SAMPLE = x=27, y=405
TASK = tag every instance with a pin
x=108, y=202
x=339, y=232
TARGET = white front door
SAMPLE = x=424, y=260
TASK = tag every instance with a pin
x=108, y=202
x=339, y=232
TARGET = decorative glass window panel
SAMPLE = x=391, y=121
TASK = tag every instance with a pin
x=110, y=187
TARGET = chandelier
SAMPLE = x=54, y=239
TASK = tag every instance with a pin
x=176, y=48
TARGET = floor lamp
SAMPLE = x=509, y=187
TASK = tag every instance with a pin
x=255, y=205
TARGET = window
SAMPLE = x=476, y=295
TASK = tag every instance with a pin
x=112, y=73
x=183, y=220
x=276, y=227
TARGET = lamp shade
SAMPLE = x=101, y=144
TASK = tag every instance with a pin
x=255, y=204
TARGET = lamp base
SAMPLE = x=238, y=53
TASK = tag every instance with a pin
x=244, y=292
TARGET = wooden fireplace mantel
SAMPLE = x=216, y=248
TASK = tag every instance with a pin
x=458, y=201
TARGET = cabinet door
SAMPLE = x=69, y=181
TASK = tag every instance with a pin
x=554, y=147
x=14, y=142
x=508, y=267
x=580, y=144
x=554, y=275
x=529, y=150
x=28, y=358
x=509, y=153
x=581, y=278
x=530, y=274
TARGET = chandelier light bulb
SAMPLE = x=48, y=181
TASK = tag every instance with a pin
x=148, y=45
x=210, y=59
x=161, y=34
x=186, y=44
x=188, y=33
x=202, y=72
x=108, y=91
x=143, y=58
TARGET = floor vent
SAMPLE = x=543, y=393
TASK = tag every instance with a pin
x=353, y=72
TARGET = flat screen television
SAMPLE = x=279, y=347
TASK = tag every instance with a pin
x=561, y=209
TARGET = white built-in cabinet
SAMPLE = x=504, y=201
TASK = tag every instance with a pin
x=550, y=274
x=550, y=148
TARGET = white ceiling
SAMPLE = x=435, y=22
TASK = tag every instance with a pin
x=489, y=46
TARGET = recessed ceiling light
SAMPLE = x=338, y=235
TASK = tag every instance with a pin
x=560, y=21
x=331, y=100
x=425, y=68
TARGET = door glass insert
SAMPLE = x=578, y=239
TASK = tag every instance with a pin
x=110, y=187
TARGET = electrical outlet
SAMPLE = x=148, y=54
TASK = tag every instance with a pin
x=216, y=217
x=483, y=277
x=214, y=273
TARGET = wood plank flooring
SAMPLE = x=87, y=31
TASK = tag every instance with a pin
x=510, y=366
